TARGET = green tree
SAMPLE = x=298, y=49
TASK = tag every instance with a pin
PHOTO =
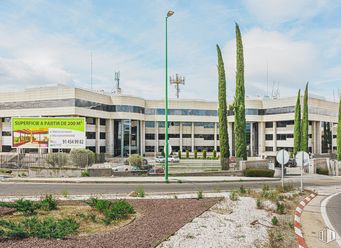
x=222, y=114
x=239, y=101
x=338, y=135
x=305, y=122
x=297, y=127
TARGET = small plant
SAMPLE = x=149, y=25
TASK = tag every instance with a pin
x=65, y=193
x=204, y=154
x=179, y=154
x=214, y=154
x=322, y=171
x=280, y=208
x=287, y=187
x=99, y=204
x=187, y=154
x=26, y=206
x=140, y=191
x=49, y=203
x=179, y=181
x=265, y=187
x=195, y=154
x=242, y=190
x=135, y=160
x=200, y=195
x=85, y=173
x=175, y=197
x=234, y=196
x=119, y=210
x=259, y=203
x=274, y=221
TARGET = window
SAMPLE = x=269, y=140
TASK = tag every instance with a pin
x=204, y=136
x=161, y=124
x=102, y=149
x=150, y=149
x=6, y=148
x=187, y=124
x=269, y=149
x=268, y=137
x=161, y=136
x=150, y=136
x=150, y=123
x=173, y=135
x=284, y=136
x=102, y=122
x=91, y=121
x=90, y=135
x=6, y=133
x=102, y=135
x=268, y=124
x=91, y=148
x=185, y=136
x=6, y=119
x=284, y=123
x=186, y=148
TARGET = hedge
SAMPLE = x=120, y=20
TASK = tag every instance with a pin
x=258, y=172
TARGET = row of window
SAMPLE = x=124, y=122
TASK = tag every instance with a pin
x=269, y=124
x=184, y=148
x=92, y=135
x=161, y=136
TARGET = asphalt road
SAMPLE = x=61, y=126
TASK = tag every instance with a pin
x=26, y=189
x=334, y=212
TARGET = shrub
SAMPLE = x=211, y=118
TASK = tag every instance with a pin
x=119, y=210
x=6, y=171
x=187, y=154
x=135, y=160
x=322, y=171
x=195, y=154
x=21, y=205
x=242, y=190
x=259, y=203
x=33, y=227
x=280, y=208
x=204, y=154
x=234, y=196
x=179, y=154
x=57, y=159
x=274, y=221
x=200, y=195
x=287, y=187
x=265, y=187
x=85, y=173
x=140, y=191
x=99, y=204
x=214, y=154
x=49, y=203
x=82, y=157
x=258, y=172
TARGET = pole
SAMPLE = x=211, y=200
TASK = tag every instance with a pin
x=166, y=110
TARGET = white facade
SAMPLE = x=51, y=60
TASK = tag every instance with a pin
x=122, y=125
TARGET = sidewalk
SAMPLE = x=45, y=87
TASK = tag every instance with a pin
x=312, y=220
x=154, y=179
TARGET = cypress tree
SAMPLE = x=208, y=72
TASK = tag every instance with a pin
x=338, y=135
x=305, y=122
x=239, y=102
x=297, y=123
x=222, y=114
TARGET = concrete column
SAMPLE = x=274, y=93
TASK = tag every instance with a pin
x=215, y=136
x=230, y=131
x=313, y=141
x=261, y=137
x=109, y=137
x=142, y=137
x=192, y=136
x=156, y=136
x=98, y=130
x=318, y=137
x=129, y=137
x=332, y=130
x=180, y=136
x=251, y=139
x=274, y=128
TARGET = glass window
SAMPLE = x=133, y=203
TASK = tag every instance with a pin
x=91, y=121
x=6, y=133
x=150, y=123
x=150, y=136
x=185, y=136
x=90, y=135
x=102, y=122
x=187, y=124
x=173, y=135
x=161, y=136
x=102, y=135
x=150, y=148
x=269, y=124
x=269, y=149
x=268, y=137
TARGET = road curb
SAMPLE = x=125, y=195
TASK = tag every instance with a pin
x=297, y=220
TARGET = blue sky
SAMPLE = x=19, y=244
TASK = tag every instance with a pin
x=50, y=42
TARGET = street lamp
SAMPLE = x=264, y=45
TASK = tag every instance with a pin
x=169, y=14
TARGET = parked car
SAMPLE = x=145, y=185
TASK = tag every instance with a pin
x=160, y=159
x=291, y=163
x=121, y=168
x=174, y=159
x=156, y=171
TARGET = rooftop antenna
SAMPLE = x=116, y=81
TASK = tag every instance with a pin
x=117, y=90
x=177, y=80
x=91, y=69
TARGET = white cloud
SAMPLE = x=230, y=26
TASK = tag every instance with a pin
x=274, y=12
x=290, y=63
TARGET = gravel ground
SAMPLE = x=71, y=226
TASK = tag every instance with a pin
x=157, y=220
x=227, y=224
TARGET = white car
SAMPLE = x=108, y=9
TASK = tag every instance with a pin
x=174, y=159
x=121, y=168
x=160, y=159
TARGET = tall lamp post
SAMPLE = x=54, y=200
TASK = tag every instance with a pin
x=169, y=14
